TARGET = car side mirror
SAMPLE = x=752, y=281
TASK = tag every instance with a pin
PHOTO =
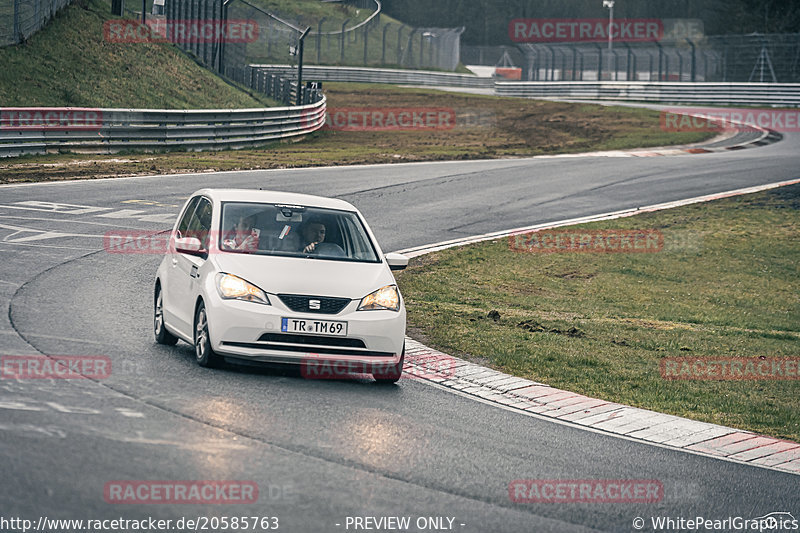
x=396, y=261
x=189, y=245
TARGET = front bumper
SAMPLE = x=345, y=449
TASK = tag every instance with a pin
x=252, y=331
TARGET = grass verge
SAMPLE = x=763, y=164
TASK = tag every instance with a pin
x=486, y=127
x=726, y=284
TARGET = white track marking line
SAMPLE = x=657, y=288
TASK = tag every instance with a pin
x=41, y=234
x=57, y=247
x=54, y=207
x=427, y=248
x=68, y=221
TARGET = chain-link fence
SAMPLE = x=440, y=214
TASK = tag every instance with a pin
x=773, y=58
x=758, y=58
x=19, y=19
x=356, y=36
x=277, y=39
x=229, y=35
x=386, y=44
x=132, y=10
x=184, y=14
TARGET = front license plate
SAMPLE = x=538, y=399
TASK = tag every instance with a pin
x=313, y=327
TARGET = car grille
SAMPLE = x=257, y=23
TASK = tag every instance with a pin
x=314, y=340
x=327, y=306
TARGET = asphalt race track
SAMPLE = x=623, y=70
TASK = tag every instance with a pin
x=322, y=451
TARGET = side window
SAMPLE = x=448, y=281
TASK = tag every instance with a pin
x=200, y=223
x=183, y=225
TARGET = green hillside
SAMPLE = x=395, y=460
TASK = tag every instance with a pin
x=69, y=63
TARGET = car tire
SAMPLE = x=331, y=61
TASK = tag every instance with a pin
x=203, y=353
x=159, y=329
x=393, y=373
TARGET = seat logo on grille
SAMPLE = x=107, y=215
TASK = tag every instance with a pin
x=313, y=304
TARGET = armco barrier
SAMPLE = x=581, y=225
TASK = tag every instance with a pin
x=761, y=94
x=115, y=130
x=380, y=75
x=144, y=129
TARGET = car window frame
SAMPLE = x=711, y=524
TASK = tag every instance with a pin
x=263, y=253
x=187, y=232
x=186, y=215
x=205, y=232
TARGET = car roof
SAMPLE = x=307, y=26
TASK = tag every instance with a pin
x=274, y=197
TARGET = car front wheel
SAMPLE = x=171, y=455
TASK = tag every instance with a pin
x=162, y=335
x=203, y=353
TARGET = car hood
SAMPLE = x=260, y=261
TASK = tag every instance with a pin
x=297, y=275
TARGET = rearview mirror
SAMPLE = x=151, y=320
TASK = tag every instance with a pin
x=189, y=245
x=397, y=261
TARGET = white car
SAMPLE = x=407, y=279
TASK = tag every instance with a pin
x=280, y=277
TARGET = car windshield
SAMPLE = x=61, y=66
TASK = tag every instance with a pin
x=294, y=231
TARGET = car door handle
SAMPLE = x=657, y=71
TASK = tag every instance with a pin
x=174, y=262
x=194, y=273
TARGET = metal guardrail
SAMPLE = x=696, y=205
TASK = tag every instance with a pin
x=761, y=94
x=278, y=87
x=113, y=130
x=764, y=94
x=380, y=75
x=369, y=19
x=143, y=129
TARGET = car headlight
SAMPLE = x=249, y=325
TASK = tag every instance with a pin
x=232, y=287
x=384, y=298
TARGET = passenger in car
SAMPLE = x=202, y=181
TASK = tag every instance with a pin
x=243, y=236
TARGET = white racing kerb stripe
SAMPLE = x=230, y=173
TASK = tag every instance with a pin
x=537, y=399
